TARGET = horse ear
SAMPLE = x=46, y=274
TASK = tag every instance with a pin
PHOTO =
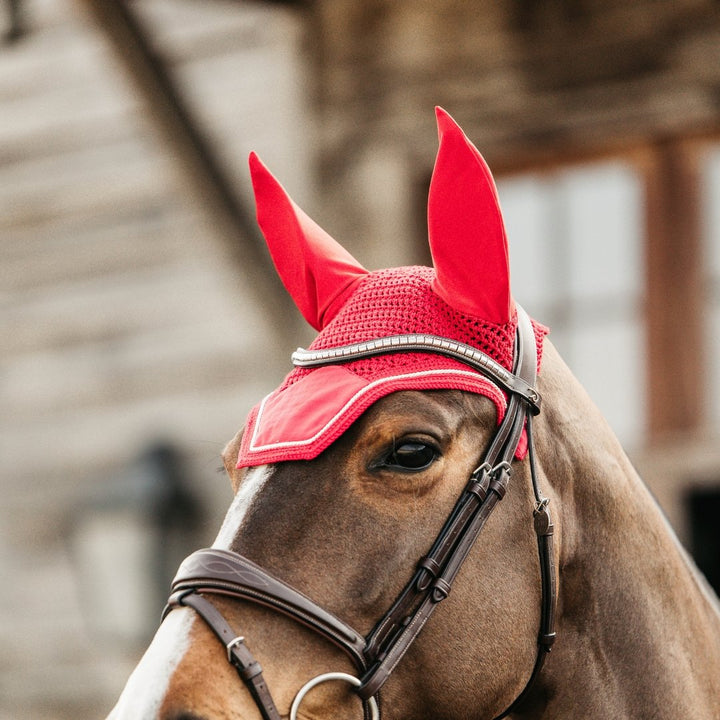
x=317, y=271
x=466, y=231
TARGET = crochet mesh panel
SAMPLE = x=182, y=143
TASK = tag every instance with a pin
x=401, y=301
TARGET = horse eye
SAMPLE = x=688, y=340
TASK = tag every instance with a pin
x=411, y=456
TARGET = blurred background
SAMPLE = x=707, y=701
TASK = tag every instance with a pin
x=141, y=319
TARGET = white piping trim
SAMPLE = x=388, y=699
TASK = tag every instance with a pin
x=357, y=396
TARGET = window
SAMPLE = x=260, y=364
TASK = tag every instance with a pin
x=711, y=261
x=576, y=254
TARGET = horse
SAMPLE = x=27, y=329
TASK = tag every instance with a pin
x=430, y=519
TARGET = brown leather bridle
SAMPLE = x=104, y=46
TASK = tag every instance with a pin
x=222, y=572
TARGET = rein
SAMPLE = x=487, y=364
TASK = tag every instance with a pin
x=222, y=572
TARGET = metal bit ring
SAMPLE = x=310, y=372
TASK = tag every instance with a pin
x=310, y=684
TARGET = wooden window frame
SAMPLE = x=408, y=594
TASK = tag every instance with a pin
x=673, y=309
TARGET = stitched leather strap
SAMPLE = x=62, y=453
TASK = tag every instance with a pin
x=226, y=573
x=544, y=530
x=239, y=654
x=397, y=630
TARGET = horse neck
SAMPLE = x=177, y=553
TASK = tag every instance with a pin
x=639, y=631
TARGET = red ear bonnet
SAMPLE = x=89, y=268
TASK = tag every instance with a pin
x=466, y=231
x=318, y=273
x=465, y=298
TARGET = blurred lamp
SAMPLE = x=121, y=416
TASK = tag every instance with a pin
x=127, y=541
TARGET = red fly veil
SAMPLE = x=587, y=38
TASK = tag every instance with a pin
x=465, y=297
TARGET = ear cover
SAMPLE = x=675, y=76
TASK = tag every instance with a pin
x=466, y=231
x=317, y=271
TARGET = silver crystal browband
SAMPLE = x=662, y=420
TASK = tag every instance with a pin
x=420, y=343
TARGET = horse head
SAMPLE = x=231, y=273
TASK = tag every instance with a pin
x=390, y=544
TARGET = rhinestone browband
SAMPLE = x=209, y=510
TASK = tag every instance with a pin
x=420, y=343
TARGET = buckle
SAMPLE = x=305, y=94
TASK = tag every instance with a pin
x=232, y=645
